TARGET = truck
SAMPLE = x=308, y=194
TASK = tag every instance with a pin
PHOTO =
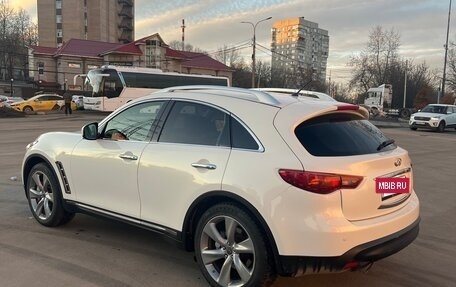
x=378, y=101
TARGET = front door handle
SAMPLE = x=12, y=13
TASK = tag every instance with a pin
x=204, y=165
x=128, y=155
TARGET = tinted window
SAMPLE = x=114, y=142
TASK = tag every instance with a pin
x=134, y=123
x=159, y=81
x=192, y=123
x=340, y=135
x=240, y=137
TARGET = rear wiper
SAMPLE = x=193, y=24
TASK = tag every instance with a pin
x=385, y=144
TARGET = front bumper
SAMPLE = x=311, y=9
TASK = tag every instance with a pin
x=424, y=125
x=355, y=258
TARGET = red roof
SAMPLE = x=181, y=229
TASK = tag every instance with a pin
x=43, y=50
x=174, y=54
x=96, y=49
x=130, y=48
x=200, y=60
x=85, y=48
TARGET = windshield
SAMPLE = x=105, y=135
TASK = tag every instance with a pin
x=434, y=109
x=104, y=83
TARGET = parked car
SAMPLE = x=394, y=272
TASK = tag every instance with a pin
x=79, y=101
x=7, y=101
x=42, y=102
x=255, y=184
x=435, y=116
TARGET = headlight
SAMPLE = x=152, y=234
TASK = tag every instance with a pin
x=436, y=118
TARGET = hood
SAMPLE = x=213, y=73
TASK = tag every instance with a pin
x=429, y=115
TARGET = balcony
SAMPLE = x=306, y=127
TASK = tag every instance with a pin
x=126, y=2
x=126, y=25
x=126, y=12
x=126, y=37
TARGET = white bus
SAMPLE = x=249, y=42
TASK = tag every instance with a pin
x=111, y=86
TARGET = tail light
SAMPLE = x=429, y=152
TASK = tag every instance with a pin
x=347, y=108
x=317, y=182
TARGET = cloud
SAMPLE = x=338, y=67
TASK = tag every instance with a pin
x=27, y=5
x=210, y=24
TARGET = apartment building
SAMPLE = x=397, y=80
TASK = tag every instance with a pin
x=299, y=44
x=98, y=20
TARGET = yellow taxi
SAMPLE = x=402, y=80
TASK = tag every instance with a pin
x=43, y=102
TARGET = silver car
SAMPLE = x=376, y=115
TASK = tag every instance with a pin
x=435, y=117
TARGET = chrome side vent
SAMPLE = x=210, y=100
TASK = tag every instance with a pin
x=63, y=176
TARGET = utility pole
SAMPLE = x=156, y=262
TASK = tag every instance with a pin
x=183, y=34
x=446, y=54
x=405, y=83
x=254, y=46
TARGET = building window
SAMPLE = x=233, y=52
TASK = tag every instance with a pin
x=153, y=54
x=58, y=19
x=58, y=4
x=59, y=33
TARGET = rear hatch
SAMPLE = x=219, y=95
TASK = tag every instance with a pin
x=343, y=143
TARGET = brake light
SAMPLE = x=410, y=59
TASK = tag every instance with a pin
x=317, y=182
x=347, y=107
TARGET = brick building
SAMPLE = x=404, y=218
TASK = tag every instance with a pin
x=57, y=67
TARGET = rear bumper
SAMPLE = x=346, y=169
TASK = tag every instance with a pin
x=353, y=259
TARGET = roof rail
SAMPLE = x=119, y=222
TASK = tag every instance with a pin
x=241, y=93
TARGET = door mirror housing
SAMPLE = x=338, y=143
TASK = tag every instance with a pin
x=90, y=131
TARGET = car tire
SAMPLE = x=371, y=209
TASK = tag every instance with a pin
x=413, y=128
x=27, y=109
x=240, y=258
x=56, y=108
x=45, y=197
x=441, y=127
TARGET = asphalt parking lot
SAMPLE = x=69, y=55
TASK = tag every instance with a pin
x=95, y=252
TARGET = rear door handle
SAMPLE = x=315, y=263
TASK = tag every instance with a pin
x=128, y=155
x=204, y=165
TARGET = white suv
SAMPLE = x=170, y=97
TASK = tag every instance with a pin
x=436, y=117
x=255, y=184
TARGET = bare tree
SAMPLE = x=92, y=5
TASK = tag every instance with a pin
x=263, y=74
x=451, y=78
x=372, y=66
x=379, y=63
x=177, y=45
x=230, y=56
x=16, y=32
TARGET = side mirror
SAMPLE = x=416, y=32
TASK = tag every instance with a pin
x=90, y=131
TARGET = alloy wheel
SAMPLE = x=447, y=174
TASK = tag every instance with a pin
x=41, y=195
x=227, y=251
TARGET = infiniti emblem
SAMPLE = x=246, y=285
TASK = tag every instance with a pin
x=397, y=162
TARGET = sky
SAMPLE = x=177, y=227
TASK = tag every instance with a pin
x=211, y=24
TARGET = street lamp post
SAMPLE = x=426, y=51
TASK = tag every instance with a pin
x=11, y=89
x=254, y=45
x=446, y=54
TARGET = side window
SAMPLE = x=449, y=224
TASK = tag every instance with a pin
x=135, y=123
x=192, y=123
x=241, y=138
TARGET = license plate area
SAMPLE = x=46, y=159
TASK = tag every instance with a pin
x=389, y=187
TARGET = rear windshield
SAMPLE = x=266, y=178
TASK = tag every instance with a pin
x=341, y=135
